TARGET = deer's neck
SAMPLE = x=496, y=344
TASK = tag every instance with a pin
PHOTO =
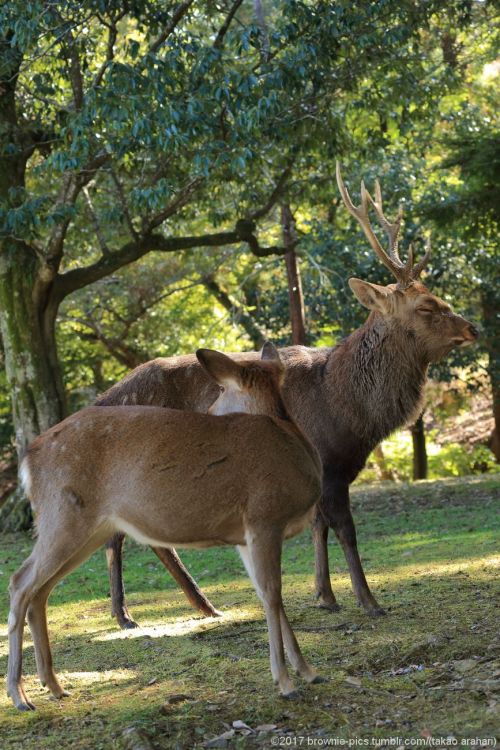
x=384, y=372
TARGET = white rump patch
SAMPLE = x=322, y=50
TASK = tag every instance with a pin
x=25, y=477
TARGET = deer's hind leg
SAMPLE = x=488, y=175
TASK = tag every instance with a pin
x=182, y=576
x=37, y=618
x=262, y=559
x=114, y=560
x=20, y=592
x=324, y=594
x=53, y=556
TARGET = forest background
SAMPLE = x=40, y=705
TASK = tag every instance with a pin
x=167, y=182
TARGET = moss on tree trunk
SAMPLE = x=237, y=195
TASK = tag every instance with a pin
x=29, y=345
x=27, y=311
x=31, y=365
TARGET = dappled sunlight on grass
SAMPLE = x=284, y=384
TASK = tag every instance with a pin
x=181, y=626
x=439, y=570
x=107, y=675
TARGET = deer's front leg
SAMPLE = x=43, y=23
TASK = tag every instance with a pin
x=337, y=511
x=114, y=550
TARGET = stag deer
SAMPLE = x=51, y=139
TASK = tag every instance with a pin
x=170, y=478
x=346, y=399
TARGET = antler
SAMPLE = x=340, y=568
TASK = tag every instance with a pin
x=405, y=273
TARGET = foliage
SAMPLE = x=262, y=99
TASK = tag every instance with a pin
x=449, y=460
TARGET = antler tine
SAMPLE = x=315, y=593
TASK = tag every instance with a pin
x=409, y=260
x=390, y=228
x=360, y=213
x=419, y=267
x=345, y=194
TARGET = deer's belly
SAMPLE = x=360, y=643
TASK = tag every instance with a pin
x=297, y=525
x=170, y=536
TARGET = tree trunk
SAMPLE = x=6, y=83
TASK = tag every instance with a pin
x=491, y=319
x=419, y=449
x=384, y=471
x=27, y=314
x=237, y=312
x=295, y=295
x=30, y=349
x=31, y=364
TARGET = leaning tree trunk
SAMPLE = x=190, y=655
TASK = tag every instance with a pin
x=295, y=295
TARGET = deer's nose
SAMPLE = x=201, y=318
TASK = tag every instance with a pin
x=473, y=331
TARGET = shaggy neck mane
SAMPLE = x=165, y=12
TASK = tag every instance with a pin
x=385, y=374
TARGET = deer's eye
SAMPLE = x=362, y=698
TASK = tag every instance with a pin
x=425, y=310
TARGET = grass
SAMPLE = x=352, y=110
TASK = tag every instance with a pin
x=427, y=668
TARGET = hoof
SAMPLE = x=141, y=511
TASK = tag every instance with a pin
x=330, y=606
x=25, y=707
x=293, y=695
x=128, y=625
x=58, y=695
x=376, y=612
x=318, y=680
x=212, y=613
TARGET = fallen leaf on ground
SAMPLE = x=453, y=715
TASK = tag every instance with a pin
x=241, y=727
x=221, y=740
x=266, y=727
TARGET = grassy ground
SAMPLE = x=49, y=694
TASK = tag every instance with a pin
x=426, y=669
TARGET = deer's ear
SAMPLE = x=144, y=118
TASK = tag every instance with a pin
x=372, y=296
x=271, y=354
x=219, y=366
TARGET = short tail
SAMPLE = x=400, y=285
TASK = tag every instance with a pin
x=25, y=476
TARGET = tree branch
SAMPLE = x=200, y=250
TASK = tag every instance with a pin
x=276, y=193
x=175, y=206
x=75, y=72
x=123, y=203
x=72, y=185
x=95, y=222
x=126, y=354
x=179, y=13
x=110, y=49
x=77, y=278
x=261, y=23
x=219, y=40
x=237, y=311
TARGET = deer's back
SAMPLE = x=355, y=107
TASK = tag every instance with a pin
x=313, y=395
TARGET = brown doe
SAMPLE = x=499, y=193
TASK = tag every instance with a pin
x=345, y=399
x=170, y=478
